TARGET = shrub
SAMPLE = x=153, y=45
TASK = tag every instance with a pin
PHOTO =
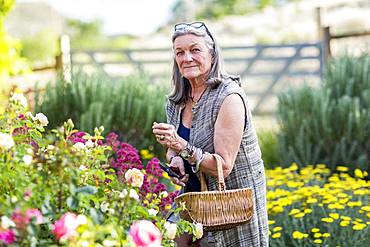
x=269, y=147
x=128, y=106
x=61, y=189
x=329, y=125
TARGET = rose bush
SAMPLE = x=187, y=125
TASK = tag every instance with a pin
x=78, y=189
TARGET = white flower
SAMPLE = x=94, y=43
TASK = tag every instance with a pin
x=134, y=177
x=29, y=115
x=79, y=146
x=6, y=222
x=198, y=230
x=50, y=147
x=27, y=159
x=152, y=212
x=109, y=243
x=42, y=118
x=163, y=194
x=89, y=144
x=29, y=151
x=6, y=141
x=19, y=99
x=104, y=206
x=133, y=194
x=83, y=168
x=81, y=219
x=171, y=229
x=123, y=194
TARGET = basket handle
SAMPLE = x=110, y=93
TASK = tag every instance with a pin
x=220, y=175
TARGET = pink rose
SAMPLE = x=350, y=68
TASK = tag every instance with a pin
x=145, y=234
x=7, y=237
x=21, y=220
x=65, y=227
x=34, y=213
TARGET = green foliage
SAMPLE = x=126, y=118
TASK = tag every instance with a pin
x=46, y=178
x=128, y=106
x=216, y=9
x=40, y=47
x=268, y=142
x=330, y=125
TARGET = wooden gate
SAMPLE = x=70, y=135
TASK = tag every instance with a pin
x=266, y=70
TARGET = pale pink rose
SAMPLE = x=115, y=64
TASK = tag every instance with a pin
x=145, y=234
x=22, y=220
x=34, y=213
x=65, y=227
x=7, y=237
x=134, y=177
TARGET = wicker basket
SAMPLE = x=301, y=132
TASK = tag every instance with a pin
x=217, y=210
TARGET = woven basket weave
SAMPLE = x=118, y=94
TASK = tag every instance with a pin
x=217, y=210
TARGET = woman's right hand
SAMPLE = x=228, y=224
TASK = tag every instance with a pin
x=178, y=164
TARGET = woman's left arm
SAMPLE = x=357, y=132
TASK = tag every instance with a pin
x=227, y=137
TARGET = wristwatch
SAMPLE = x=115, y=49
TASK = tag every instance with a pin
x=187, y=152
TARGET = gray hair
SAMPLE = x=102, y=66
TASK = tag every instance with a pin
x=181, y=86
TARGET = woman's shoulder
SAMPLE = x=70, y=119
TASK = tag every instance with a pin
x=230, y=84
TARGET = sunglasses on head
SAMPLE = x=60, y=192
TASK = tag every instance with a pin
x=197, y=25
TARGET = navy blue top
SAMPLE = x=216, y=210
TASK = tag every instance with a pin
x=193, y=183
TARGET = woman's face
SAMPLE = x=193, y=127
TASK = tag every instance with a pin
x=192, y=56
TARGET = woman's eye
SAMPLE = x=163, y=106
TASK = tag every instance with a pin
x=196, y=50
x=179, y=53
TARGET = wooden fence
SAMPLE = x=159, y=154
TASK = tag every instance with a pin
x=266, y=70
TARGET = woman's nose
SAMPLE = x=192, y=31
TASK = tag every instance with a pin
x=188, y=57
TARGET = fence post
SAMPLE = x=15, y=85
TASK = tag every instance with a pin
x=319, y=23
x=63, y=60
x=326, y=42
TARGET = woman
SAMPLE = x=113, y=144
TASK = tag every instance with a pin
x=208, y=112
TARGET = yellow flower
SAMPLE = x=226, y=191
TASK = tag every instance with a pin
x=354, y=204
x=317, y=235
x=277, y=228
x=344, y=223
x=311, y=200
x=317, y=241
x=271, y=222
x=328, y=220
x=299, y=235
x=299, y=215
x=359, y=192
x=345, y=217
x=307, y=211
x=165, y=175
x=326, y=235
x=342, y=168
x=146, y=154
x=358, y=173
x=359, y=227
x=366, y=208
x=293, y=167
x=276, y=235
x=334, y=216
x=294, y=211
x=315, y=230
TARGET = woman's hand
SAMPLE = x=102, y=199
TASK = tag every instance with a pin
x=178, y=164
x=166, y=135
